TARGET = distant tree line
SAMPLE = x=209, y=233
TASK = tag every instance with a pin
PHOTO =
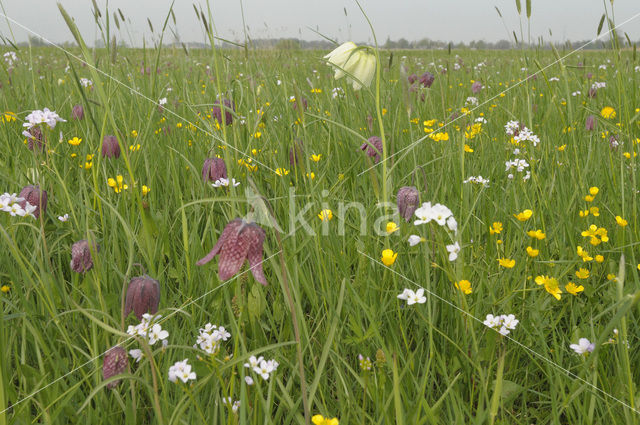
x=402, y=43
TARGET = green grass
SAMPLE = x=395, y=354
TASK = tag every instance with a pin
x=432, y=362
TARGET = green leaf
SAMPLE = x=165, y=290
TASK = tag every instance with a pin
x=600, y=25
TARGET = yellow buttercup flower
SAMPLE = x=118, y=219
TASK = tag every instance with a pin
x=465, y=286
x=75, y=141
x=536, y=234
x=621, y=221
x=392, y=227
x=582, y=273
x=573, y=289
x=524, y=215
x=608, y=112
x=496, y=227
x=325, y=215
x=550, y=285
x=507, y=262
x=389, y=257
x=593, y=190
x=321, y=420
x=532, y=252
x=282, y=172
x=145, y=190
x=583, y=254
x=117, y=184
x=316, y=158
x=599, y=258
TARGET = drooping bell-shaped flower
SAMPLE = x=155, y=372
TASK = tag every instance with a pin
x=303, y=102
x=77, y=113
x=115, y=363
x=81, y=260
x=407, y=200
x=358, y=65
x=214, y=169
x=143, y=296
x=36, y=197
x=35, y=138
x=228, y=106
x=427, y=79
x=590, y=123
x=412, y=78
x=239, y=241
x=110, y=147
x=476, y=87
x=373, y=146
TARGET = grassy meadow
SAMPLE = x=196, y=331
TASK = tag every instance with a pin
x=553, y=242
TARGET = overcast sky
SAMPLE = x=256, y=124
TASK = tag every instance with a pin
x=451, y=20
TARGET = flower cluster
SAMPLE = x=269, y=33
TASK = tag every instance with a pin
x=10, y=58
x=11, y=204
x=364, y=362
x=411, y=297
x=210, y=337
x=477, y=180
x=262, y=367
x=182, y=371
x=86, y=83
x=504, y=323
x=596, y=235
x=438, y=213
x=520, y=165
x=51, y=118
x=222, y=182
x=512, y=128
x=527, y=135
x=149, y=329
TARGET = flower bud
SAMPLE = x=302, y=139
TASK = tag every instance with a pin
x=81, y=260
x=373, y=146
x=407, y=200
x=217, y=111
x=214, y=169
x=115, y=362
x=36, y=197
x=110, y=147
x=590, y=124
x=143, y=296
x=77, y=113
x=427, y=79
